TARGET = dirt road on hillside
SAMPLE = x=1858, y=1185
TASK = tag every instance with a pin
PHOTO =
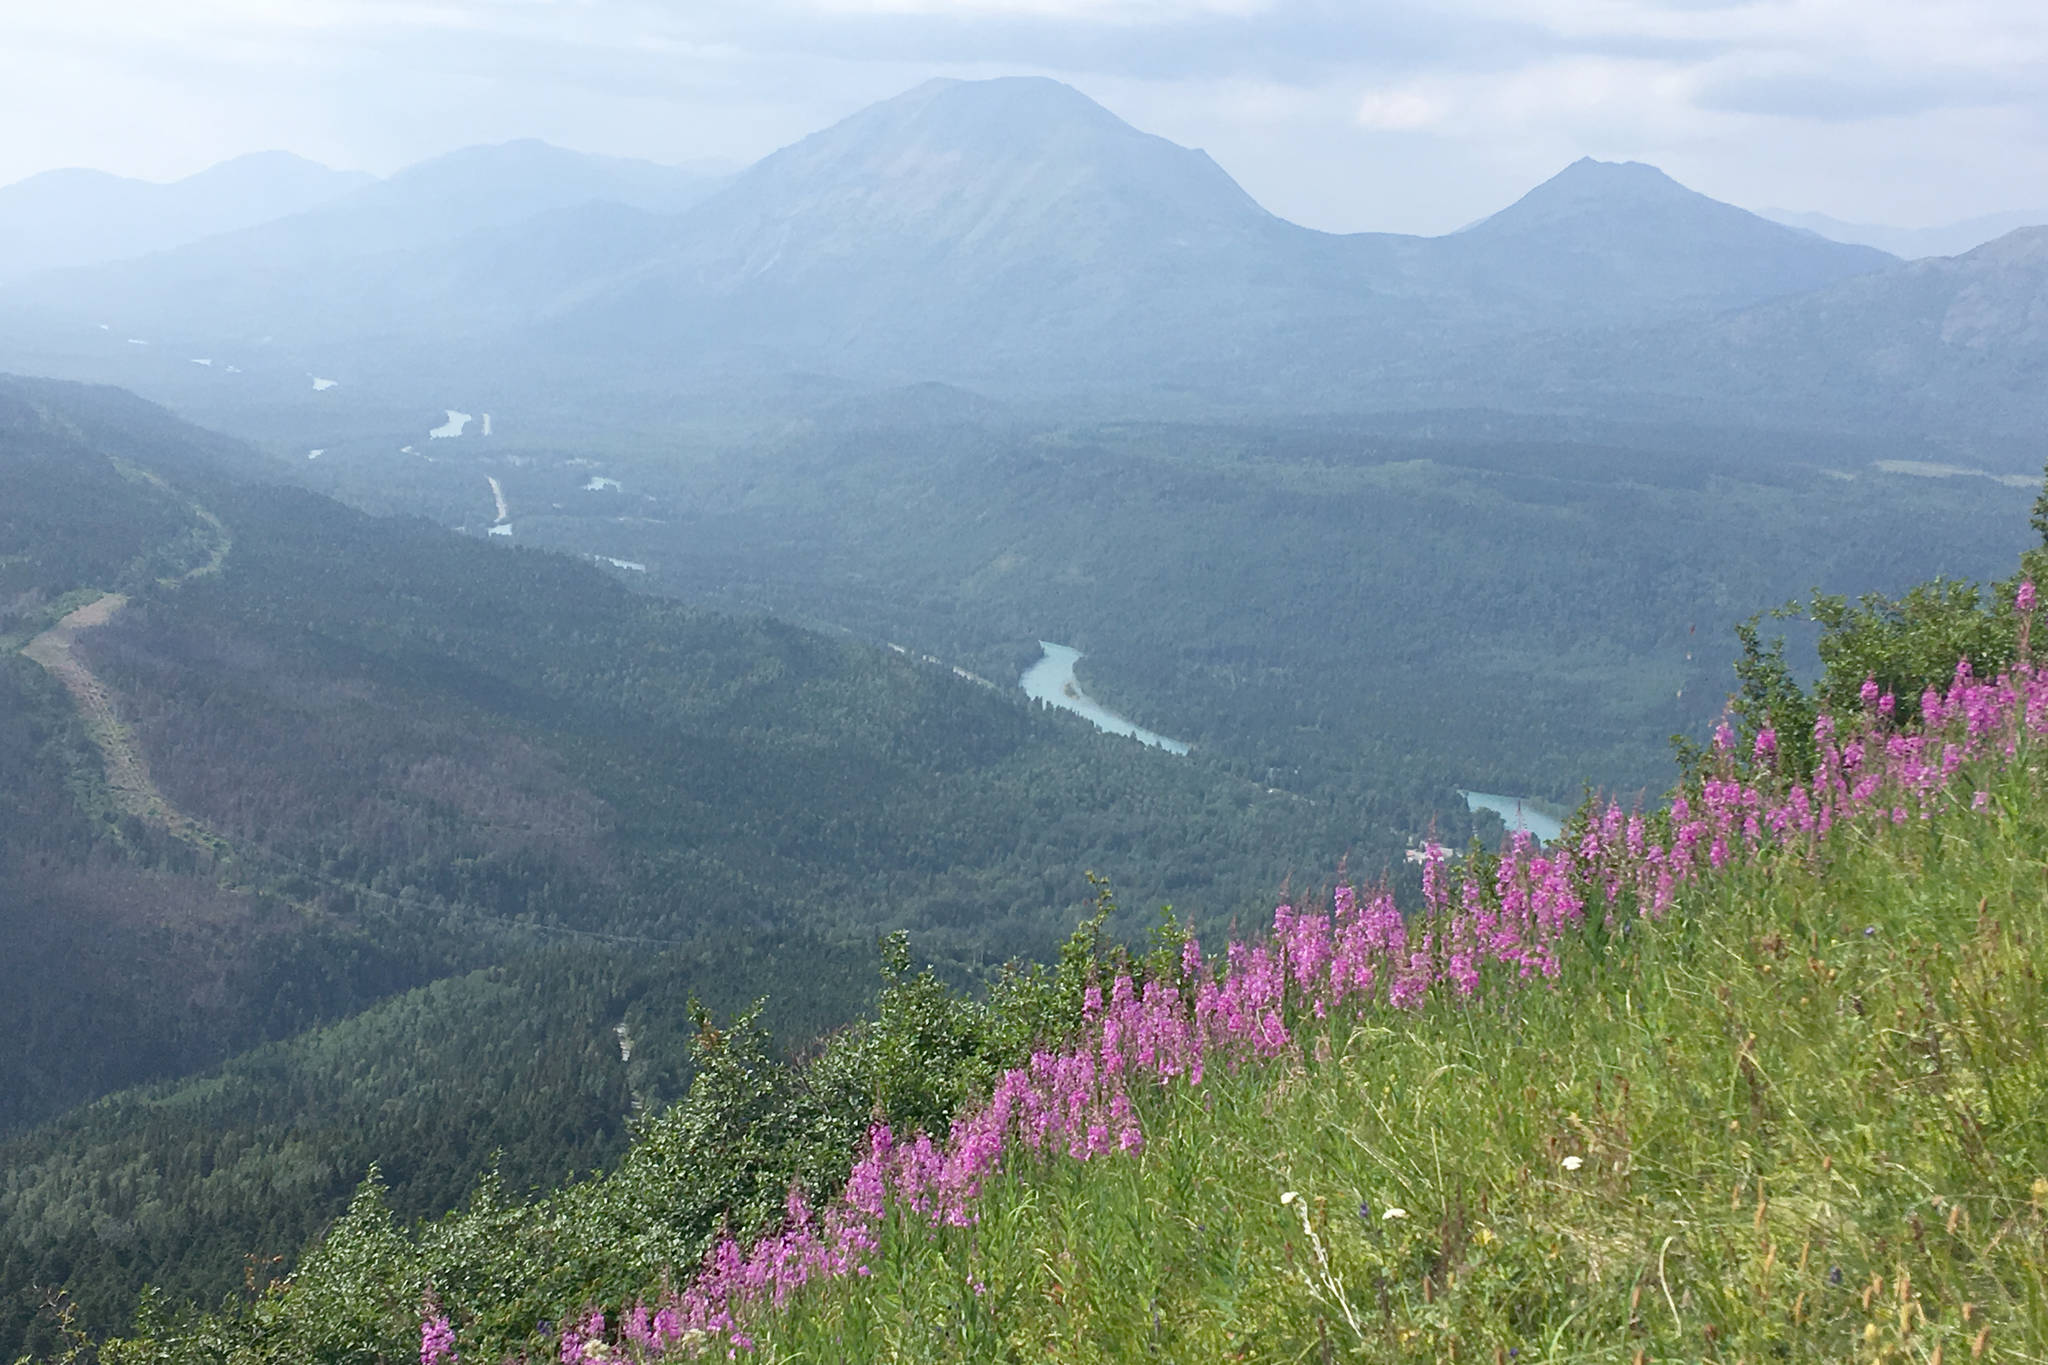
x=128, y=779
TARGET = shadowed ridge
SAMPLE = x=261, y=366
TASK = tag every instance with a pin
x=76, y=217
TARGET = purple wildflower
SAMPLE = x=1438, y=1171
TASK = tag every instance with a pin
x=437, y=1341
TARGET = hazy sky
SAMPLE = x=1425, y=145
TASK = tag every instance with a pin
x=1414, y=115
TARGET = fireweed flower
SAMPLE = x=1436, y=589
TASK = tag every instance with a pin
x=583, y=1344
x=437, y=1341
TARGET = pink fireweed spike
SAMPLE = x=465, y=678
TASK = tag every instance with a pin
x=583, y=1344
x=437, y=1341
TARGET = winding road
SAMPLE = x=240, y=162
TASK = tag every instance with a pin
x=56, y=650
x=128, y=780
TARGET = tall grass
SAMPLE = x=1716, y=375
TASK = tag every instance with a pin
x=1804, y=1116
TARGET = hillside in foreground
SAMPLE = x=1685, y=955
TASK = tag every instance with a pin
x=1759, y=1075
x=1800, y=1117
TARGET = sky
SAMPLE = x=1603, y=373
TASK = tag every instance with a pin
x=1345, y=115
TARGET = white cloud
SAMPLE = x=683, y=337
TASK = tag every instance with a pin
x=1400, y=111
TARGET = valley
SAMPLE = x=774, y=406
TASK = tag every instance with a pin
x=1301, y=638
x=317, y=761
x=1051, y=681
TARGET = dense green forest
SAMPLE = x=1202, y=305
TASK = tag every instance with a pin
x=377, y=756
x=432, y=718
x=1341, y=606
x=532, y=1070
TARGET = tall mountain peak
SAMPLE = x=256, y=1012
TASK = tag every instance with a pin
x=1588, y=186
x=1000, y=161
x=1006, y=99
x=1592, y=170
x=1012, y=217
x=1627, y=232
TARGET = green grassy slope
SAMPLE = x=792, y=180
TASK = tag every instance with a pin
x=1805, y=1117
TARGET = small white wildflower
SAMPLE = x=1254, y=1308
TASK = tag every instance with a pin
x=1289, y=1197
x=1572, y=1163
x=1393, y=1213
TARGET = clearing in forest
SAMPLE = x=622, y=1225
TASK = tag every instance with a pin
x=56, y=650
x=128, y=780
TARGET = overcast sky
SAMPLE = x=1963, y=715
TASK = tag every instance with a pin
x=1409, y=115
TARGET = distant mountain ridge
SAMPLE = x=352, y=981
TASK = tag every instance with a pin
x=1947, y=239
x=358, y=264
x=1939, y=341
x=1015, y=237
x=83, y=217
x=1014, y=209
x=1013, y=233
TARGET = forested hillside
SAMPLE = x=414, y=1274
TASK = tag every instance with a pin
x=356, y=756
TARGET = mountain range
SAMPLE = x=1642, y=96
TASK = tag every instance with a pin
x=1013, y=236
x=1944, y=239
x=84, y=217
x=1946, y=343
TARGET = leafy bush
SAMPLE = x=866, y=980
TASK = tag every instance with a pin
x=1899, y=646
